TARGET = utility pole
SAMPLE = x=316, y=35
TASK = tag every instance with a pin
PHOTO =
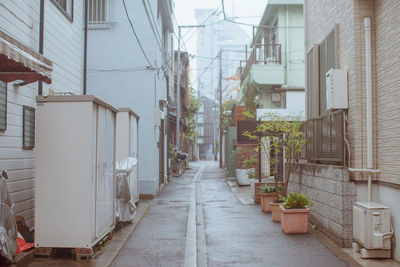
x=178, y=85
x=220, y=108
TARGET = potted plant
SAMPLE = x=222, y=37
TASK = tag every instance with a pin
x=247, y=172
x=268, y=194
x=286, y=137
x=295, y=210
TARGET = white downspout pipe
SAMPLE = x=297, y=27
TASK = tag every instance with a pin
x=368, y=83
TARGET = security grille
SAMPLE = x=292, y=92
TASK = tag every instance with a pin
x=28, y=128
x=327, y=61
x=3, y=106
x=325, y=138
x=98, y=12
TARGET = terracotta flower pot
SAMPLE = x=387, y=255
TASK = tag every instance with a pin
x=266, y=199
x=257, y=185
x=276, y=211
x=294, y=221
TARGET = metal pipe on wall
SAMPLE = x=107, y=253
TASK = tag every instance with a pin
x=41, y=40
x=368, y=83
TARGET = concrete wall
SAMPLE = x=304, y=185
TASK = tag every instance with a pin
x=118, y=73
x=333, y=196
x=291, y=37
x=63, y=45
x=320, y=18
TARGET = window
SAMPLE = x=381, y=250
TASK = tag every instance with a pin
x=320, y=59
x=3, y=106
x=66, y=7
x=327, y=61
x=28, y=127
x=98, y=12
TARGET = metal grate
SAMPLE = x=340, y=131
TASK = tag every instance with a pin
x=325, y=138
x=98, y=12
x=28, y=127
x=327, y=61
x=310, y=84
x=3, y=106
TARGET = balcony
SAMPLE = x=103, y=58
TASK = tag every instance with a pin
x=264, y=65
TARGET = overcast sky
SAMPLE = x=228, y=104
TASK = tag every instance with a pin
x=248, y=11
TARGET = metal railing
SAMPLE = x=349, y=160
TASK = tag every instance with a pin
x=325, y=138
x=98, y=12
x=262, y=54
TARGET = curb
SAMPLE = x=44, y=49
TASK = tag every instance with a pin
x=110, y=252
x=334, y=248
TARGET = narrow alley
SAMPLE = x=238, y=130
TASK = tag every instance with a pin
x=228, y=232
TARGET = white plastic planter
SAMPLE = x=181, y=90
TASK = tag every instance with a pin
x=242, y=177
x=75, y=171
x=127, y=145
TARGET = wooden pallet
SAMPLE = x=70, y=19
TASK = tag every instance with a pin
x=79, y=254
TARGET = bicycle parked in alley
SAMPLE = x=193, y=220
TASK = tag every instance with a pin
x=178, y=162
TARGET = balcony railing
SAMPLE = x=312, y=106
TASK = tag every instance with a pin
x=262, y=54
x=325, y=138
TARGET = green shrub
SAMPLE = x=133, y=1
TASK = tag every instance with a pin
x=251, y=174
x=267, y=188
x=250, y=163
x=296, y=201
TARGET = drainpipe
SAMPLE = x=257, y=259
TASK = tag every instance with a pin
x=368, y=75
x=85, y=49
x=41, y=39
x=287, y=45
x=368, y=84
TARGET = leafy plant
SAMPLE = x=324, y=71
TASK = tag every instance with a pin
x=296, y=201
x=285, y=136
x=171, y=151
x=251, y=174
x=267, y=188
x=190, y=117
x=250, y=163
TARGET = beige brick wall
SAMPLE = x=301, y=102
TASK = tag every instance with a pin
x=320, y=18
x=388, y=89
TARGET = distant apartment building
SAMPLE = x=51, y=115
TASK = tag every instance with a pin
x=207, y=129
x=349, y=139
x=218, y=35
x=135, y=73
x=272, y=78
x=35, y=46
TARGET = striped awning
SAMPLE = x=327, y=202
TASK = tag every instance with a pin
x=19, y=62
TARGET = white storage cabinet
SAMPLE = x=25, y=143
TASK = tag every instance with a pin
x=75, y=170
x=127, y=144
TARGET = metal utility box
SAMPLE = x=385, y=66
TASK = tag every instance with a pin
x=371, y=225
x=336, y=89
x=75, y=171
x=127, y=144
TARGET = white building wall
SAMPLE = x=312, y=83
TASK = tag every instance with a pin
x=63, y=45
x=117, y=73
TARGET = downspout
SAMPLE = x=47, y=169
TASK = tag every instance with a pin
x=85, y=49
x=368, y=83
x=41, y=39
x=287, y=45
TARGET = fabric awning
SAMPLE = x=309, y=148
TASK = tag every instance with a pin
x=19, y=62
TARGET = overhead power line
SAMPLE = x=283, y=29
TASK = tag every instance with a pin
x=136, y=37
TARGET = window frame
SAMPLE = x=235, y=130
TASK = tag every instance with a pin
x=23, y=127
x=6, y=106
x=70, y=17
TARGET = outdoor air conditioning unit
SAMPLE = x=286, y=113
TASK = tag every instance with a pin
x=336, y=89
x=372, y=229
